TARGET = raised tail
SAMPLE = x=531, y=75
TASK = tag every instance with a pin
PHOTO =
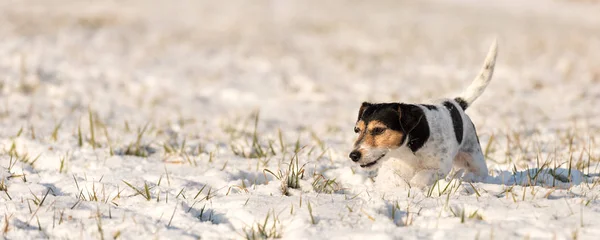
x=484, y=77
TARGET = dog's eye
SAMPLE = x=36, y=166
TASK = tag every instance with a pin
x=377, y=131
x=356, y=130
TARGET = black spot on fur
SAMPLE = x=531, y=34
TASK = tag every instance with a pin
x=456, y=121
x=414, y=125
x=430, y=107
x=463, y=104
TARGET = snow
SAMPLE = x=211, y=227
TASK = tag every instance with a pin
x=181, y=82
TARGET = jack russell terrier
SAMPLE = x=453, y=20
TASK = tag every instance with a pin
x=422, y=143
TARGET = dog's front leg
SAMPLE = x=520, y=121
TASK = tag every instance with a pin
x=426, y=177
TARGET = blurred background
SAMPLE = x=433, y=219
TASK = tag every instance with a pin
x=301, y=63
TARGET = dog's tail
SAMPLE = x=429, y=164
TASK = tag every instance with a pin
x=481, y=81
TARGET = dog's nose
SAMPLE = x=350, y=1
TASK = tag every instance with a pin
x=355, y=155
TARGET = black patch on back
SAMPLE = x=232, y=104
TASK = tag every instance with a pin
x=430, y=107
x=456, y=121
x=463, y=104
x=414, y=125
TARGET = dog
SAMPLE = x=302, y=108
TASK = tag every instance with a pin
x=423, y=143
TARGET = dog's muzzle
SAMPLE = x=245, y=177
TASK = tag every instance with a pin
x=373, y=162
x=356, y=156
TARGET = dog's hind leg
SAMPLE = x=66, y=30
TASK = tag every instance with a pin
x=478, y=166
x=470, y=166
x=470, y=158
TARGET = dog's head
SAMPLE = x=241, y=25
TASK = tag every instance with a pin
x=382, y=127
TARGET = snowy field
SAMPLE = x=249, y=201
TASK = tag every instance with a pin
x=179, y=120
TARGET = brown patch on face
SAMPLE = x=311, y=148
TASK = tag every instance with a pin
x=360, y=126
x=388, y=138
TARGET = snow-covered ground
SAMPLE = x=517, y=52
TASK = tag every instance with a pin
x=179, y=119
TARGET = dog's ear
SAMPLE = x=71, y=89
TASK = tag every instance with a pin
x=414, y=125
x=411, y=117
x=362, y=109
